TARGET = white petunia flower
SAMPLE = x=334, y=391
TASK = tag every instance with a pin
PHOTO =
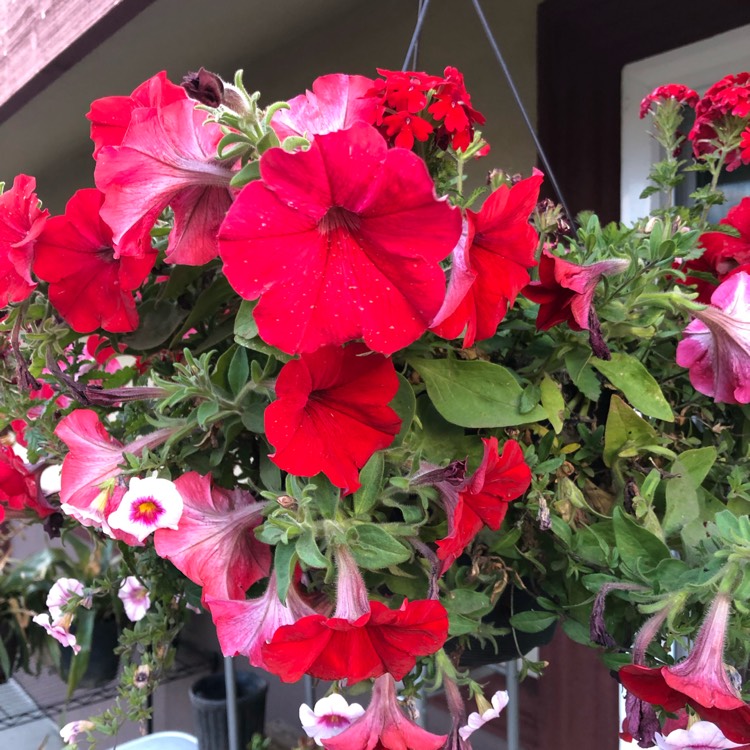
x=331, y=716
x=477, y=720
x=149, y=504
x=134, y=597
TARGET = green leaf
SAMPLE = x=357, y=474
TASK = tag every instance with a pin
x=158, y=321
x=553, y=403
x=636, y=545
x=466, y=602
x=239, y=371
x=435, y=438
x=625, y=431
x=245, y=326
x=205, y=411
x=683, y=496
x=371, y=478
x=532, y=621
x=248, y=173
x=475, y=394
x=84, y=631
x=284, y=559
x=582, y=374
x=530, y=398
x=309, y=552
x=373, y=548
x=627, y=374
x=327, y=497
x=404, y=403
x=269, y=472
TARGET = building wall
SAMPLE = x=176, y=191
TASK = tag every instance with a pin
x=282, y=46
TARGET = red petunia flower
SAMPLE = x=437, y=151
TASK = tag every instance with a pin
x=18, y=486
x=336, y=102
x=21, y=221
x=482, y=500
x=89, y=285
x=699, y=681
x=676, y=91
x=167, y=158
x=501, y=246
x=363, y=639
x=384, y=726
x=245, y=626
x=716, y=345
x=331, y=413
x=214, y=544
x=724, y=254
x=340, y=242
x=110, y=116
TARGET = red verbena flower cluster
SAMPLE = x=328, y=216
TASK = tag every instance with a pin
x=676, y=91
x=413, y=106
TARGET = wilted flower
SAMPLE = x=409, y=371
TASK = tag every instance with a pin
x=703, y=735
x=477, y=720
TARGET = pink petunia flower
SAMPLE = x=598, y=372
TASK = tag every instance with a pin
x=384, y=726
x=477, y=721
x=90, y=285
x=331, y=716
x=336, y=102
x=700, y=680
x=499, y=249
x=340, y=242
x=167, y=158
x=214, y=544
x=21, y=221
x=92, y=466
x=716, y=346
x=134, y=597
x=331, y=413
x=703, y=735
x=245, y=626
x=111, y=115
x=148, y=505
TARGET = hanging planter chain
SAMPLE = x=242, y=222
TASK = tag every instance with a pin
x=411, y=59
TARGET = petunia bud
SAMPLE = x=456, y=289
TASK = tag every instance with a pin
x=205, y=87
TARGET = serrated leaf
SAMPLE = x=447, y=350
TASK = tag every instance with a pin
x=474, y=393
x=627, y=374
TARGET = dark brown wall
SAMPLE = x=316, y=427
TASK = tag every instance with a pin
x=582, y=47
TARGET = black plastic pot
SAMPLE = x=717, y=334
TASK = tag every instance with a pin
x=104, y=663
x=511, y=646
x=209, y=700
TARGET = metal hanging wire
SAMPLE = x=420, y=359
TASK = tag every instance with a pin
x=411, y=59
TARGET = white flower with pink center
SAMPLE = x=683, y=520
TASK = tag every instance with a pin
x=149, y=504
x=62, y=591
x=331, y=716
x=477, y=720
x=134, y=597
x=703, y=735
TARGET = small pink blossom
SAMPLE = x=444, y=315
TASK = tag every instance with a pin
x=703, y=735
x=477, y=720
x=331, y=716
x=149, y=504
x=73, y=729
x=58, y=629
x=62, y=591
x=716, y=346
x=134, y=597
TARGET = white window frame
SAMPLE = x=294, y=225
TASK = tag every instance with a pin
x=696, y=65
